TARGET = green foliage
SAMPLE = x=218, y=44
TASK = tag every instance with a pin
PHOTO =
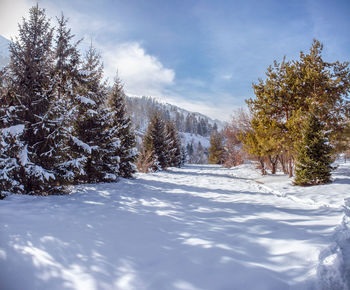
x=173, y=145
x=155, y=142
x=161, y=146
x=55, y=126
x=291, y=92
x=216, y=149
x=313, y=164
x=120, y=131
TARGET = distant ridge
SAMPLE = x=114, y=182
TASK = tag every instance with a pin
x=4, y=51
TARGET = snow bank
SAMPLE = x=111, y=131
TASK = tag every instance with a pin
x=199, y=227
x=334, y=267
x=14, y=130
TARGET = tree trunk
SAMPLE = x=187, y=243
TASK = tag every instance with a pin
x=290, y=166
x=283, y=162
x=262, y=165
x=273, y=161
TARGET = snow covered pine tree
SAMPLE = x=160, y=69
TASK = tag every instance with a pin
x=122, y=145
x=31, y=105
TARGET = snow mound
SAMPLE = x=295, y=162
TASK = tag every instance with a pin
x=334, y=267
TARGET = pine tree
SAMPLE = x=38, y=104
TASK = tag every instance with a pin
x=313, y=164
x=66, y=77
x=183, y=156
x=122, y=132
x=32, y=97
x=173, y=145
x=10, y=145
x=216, y=149
x=90, y=126
x=294, y=89
x=154, y=143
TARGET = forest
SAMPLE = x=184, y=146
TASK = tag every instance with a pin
x=62, y=124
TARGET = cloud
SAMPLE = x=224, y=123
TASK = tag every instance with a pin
x=227, y=77
x=11, y=13
x=143, y=74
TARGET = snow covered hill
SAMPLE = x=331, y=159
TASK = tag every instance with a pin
x=4, y=51
x=200, y=227
x=195, y=128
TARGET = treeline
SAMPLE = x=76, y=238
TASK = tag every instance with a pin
x=298, y=119
x=140, y=110
x=59, y=122
x=161, y=146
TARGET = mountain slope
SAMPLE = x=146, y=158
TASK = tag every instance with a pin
x=194, y=128
x=4, y=51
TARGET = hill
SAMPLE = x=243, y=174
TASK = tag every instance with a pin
x=4, y=51
x=195, y=128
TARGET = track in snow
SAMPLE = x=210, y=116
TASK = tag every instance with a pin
x=200, y=227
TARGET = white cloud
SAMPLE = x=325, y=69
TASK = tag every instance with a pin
x=227, y=77
x=143, y=74
x=221, y=110
x=11, y=13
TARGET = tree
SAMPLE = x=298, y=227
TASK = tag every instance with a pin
x=154, y=143
x=32, y=95
x=234, y=153
x=91, y=123
x=67, y=79
x=121, y=131
x=216, y=149
x=173, y=144
x=313, y=164
x=291, y=91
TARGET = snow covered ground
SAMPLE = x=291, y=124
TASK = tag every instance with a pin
x=199, y=227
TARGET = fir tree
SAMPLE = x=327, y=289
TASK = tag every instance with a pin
x=154, y=143
x=183, y=156
x=173, y=144
x=294, y=89
x=89, y=128
x=313, y=164
x=67, y=80
x=121, y=130
x=216, y=149
x=32, y=95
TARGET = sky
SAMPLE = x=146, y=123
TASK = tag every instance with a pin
x=201, y=55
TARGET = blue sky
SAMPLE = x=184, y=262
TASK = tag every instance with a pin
x=201, y=55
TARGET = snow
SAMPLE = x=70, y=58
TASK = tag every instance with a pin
x=86, y=100
x=87, y=148
x=13, y=130
x=23, y=156
x=199, y=227
x=188, y=138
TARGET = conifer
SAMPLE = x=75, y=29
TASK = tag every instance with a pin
x=67, y=79
x=89, y=128
x=121, y=131
x=32, y=97
x=173, y=144
x=154, y=143
x=313, y=163
x=216, y=149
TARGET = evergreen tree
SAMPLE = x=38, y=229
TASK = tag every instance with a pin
x=67, y=79
x=155, y=144
x=216, y=149
x=32, y=97
x=183, y=156
x=173, y=144
x=91, y=123
x=10, y=145
x=313, y=164
x=121, y=131
x=290, y=92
